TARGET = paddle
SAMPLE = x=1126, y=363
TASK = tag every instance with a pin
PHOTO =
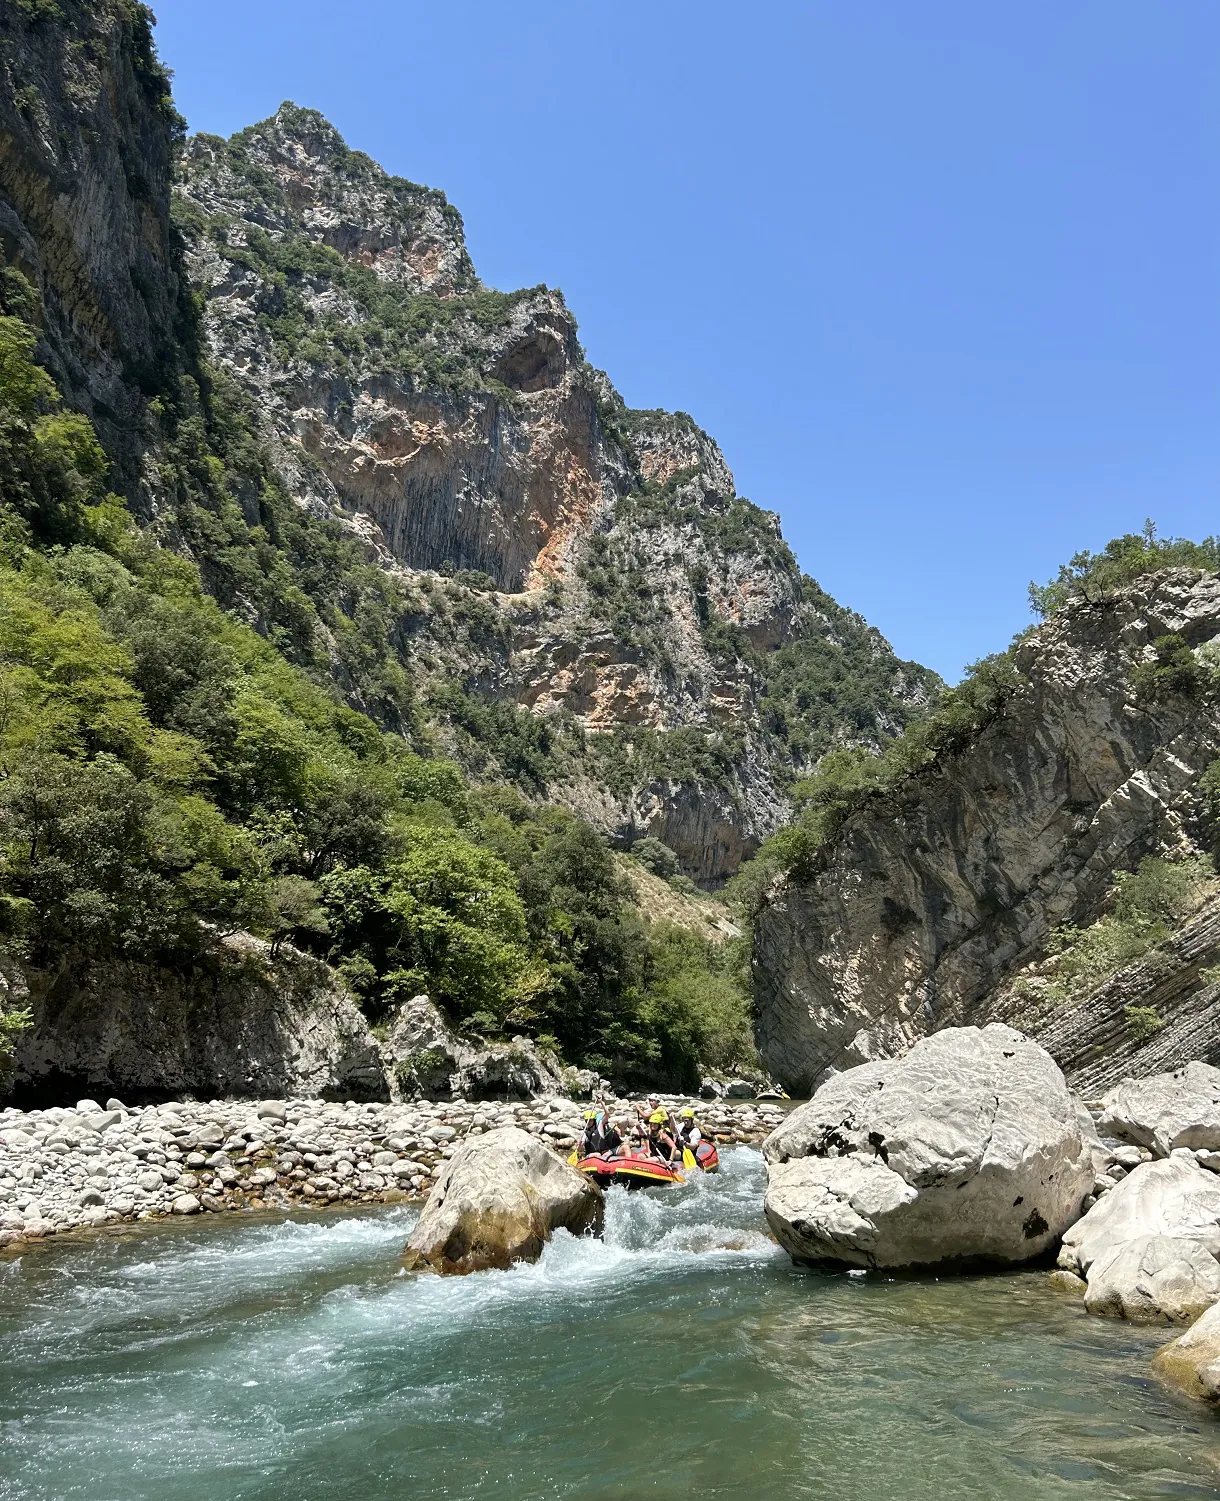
x=573, y=1160
x=688, y=1158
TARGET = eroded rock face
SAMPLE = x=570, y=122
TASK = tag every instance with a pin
x=1174, y=1198
x=425, y=1057
x=969, y=1147
x=85, y=153
x=1191, y=1363
x=499, y=1200
x=239, y=1026
x=1154, y=1279
x=930, y=897
x=1179, y=1109
x=465, y=434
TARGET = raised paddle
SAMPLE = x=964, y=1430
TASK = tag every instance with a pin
x=688, y=1158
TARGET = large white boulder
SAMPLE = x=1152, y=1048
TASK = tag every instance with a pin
x=969, y=1147
x=1172, y=1197
x=1154, y=1279
x=1181, y=1109
x=499, y=1199
x=1192, y=1361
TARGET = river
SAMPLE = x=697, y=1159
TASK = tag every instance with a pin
x=228, y=1359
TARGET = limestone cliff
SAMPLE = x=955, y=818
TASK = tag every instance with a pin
x=244, y=1025
x=937, y=891
x=87, y=132
x=557, y=552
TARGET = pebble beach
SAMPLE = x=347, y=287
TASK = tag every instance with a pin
x=105, y=1164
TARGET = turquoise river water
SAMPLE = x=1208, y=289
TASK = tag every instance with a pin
x=239, y=1359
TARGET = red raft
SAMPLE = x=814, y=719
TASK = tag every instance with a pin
x=637, y=1170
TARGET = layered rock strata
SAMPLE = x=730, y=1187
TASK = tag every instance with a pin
x=557, y=552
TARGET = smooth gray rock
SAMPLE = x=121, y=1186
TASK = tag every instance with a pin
x=1171, y=1197
x=1154, y=1279
x=969, y=1147
x=1181, y=1109
x=186, y=1204
x=498, y=1200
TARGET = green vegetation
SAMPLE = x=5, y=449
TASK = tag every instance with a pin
x=848, y=779
x=655, y=856
x=1146, y=907
x=837, y=680
x=14, y=1021
x=170, y=775
x=1093, y=577
x=1143, y=1022
x=369, y=325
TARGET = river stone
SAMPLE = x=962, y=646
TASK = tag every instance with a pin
x=498, y=1200
x=1192, y=1361
x=1172, y=1197
x=1154, y=1279
x=1181, y=1109
x=969, y=1147
x=185, y=1204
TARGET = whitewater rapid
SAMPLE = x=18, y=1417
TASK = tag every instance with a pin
x=227, y=1359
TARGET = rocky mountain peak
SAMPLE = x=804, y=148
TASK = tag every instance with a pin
x=294, y=175
x=605, y=579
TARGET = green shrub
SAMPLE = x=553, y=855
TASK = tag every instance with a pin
x=1095, y=576
x=1146, y=906
x=655, y=856
x=1143, y=1022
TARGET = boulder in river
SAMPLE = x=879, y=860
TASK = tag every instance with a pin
x=498, y=1200
x=1172, y=1197
x=1166, y=1111
x=970, y=1147
x=1154, y=1279
x=1192, y=1361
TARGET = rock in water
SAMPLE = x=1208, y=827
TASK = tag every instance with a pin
x=1192, y=1361
x=1166, y=1111
x=499, y=1200
x=1174, y=1197
x=969, y=1147
x=1153, y=1279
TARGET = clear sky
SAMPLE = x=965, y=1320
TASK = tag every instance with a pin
x=941, y=277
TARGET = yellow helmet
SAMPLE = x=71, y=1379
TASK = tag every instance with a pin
x=657, y=1118
x=590, y=1115
x=687, y=1114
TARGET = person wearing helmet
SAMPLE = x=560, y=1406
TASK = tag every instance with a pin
x=660, y=1139
x=600, y=1135
x=587, y=1146
x=649, y=1108
x=689, y=1134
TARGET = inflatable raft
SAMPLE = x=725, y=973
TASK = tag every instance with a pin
x=636, y=1170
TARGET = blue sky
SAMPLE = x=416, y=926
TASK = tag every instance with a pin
x=942, y=278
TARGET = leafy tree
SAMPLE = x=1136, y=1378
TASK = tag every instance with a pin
x=655, y=856
x=1095, y=576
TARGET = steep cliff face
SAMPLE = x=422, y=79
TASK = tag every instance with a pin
x=935, y=893
x=558, y=552
x=248, y=1026
x=87, y=129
